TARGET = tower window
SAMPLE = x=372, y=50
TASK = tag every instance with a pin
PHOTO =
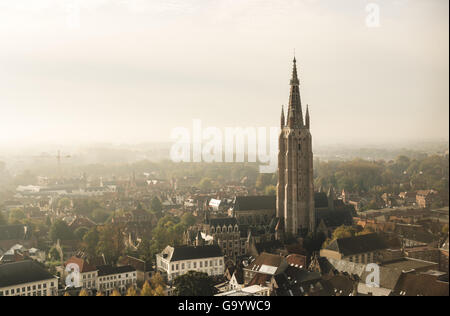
x=299, y=147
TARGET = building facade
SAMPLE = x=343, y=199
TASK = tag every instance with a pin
x=119, y=278
x=177, y=261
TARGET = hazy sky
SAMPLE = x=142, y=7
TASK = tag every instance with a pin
x=134, y=70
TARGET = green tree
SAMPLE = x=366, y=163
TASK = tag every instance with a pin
x=80, y=232
x=205, y=184
x=194, y=284
x=156, y=205
x=111, y=242
x=91, y=239
x=188, y=220
x=60, y=230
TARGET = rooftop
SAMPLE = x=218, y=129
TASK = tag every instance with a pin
x=22, y=272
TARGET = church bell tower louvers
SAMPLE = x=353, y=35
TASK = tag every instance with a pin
x=295, y=189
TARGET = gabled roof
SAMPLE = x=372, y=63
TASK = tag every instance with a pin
x=266, y=263
x=260, y=279
x=82, y=264
x=358, y=244
x=239, y=275
x=22, y=272
x=414, y=233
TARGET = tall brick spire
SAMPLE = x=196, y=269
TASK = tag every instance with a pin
x=295, y=187
x=295, y=114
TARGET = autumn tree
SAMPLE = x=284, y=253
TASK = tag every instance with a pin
x=83, y=292
x=115, y=292
x=146, y=290
x=131, y=291
x=111, y=242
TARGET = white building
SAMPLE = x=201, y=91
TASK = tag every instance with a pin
x=119, y=278
x=26, y=278
x=176, y=261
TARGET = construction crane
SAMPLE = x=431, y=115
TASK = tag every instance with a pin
x=58, y=157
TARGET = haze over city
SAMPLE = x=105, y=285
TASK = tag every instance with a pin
x=131, y=71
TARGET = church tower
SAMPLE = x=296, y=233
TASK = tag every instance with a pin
x=295, y=189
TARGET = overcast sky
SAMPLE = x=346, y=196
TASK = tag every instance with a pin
x=131, y=71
